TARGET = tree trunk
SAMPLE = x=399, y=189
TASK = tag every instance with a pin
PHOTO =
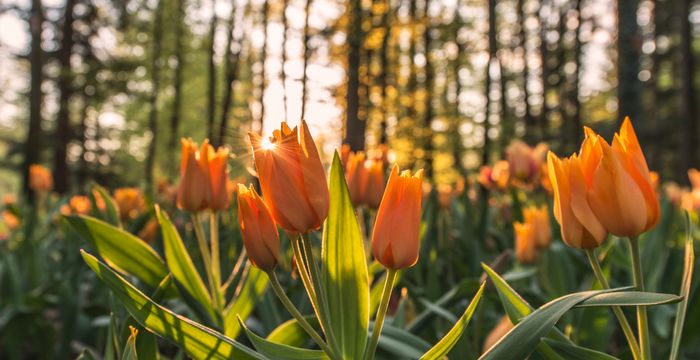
x=307, y=54
x=65, y=87
x=522, y=38
x=153, y=97
x=354, y=126
x=385, y=71
x=211, y=92
x=492, y=59
x=283, y=73
x=231, y=66
x=577, y=130
x=36, y=59
x=629, y=43
x=544, y=63
x=457, y=147
x=688, y=107
x=263, y=61
x=177, y=82
x=428, y=89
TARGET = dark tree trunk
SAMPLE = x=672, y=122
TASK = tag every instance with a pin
x=231, y=66
x=544, y=63
x=177, y=82
x=492, y=59
x=522, y=38
x=577, y=130
x=263, y=62
x=153, y=97
x=211, y=90
x=354, y=126
x=307, y=54
x=36, y=59
x=688, y=107
x=457, y=115
x=629, y=43
x=385, y=71
x=428, y=89
x=283, y=73
x=65, y=87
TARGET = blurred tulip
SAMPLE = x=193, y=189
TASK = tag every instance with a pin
x=395, y=238
x=77, y=205
x=694, y=177
x=521, y=161
x=292, y=178
x=620, y=189
x=538, y=219
x=375, y=183
x=580, y=228
x=357, y=177
x=499, y=331
x=149, y=231
x=260, y=235
x=40, y=179
x=674, y=193
x=9, y=200
x=344, y=154
x=525, y=242
x=203, y=177
x=10, y=220
x=497, y=176
x=130, y=202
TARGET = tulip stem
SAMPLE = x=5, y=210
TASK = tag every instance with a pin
x=642, y=323
x=279, y=291
x=214, y=239
x=621, y=318
x=206, y=258
x=381, y=314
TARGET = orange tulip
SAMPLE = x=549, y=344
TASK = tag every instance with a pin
x=375, y=183
x=395, y=238
x=203, y=177
x=497, y=176
x=580, y=228
x=40, y=179
x=499, y=331
x=130, y=202
x=620, y=190
x=149, y=231
x=10, y=220
x=694, y=177
x=292, y=178
x=260, y=235
x=79, y=205
x=525, y=243
x=521, y=161
x=538, y=218
x=357, y=177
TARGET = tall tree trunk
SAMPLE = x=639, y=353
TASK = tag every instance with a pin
x=283, y=73
x=457, y=147
x=688, y=107
x=385, y=70
x=522, y=38
x=65, y=87
x=231, y=66
x=428, y=90
x=577, y=130
x=153, y=97
x=307, y=54
x=487, y=90
x=211, y=92
x=544, y=63
x=629, y=43
x=36, y=59
x=175, y=114
x=263, y=62
x=354, y=126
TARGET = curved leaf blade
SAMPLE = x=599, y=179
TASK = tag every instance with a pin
x=573, y=352
x=198, y=341
x=277, y=351
x=630, y=298
x=252, y=290
x=688, y=268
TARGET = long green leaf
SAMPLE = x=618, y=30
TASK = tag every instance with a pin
x=345, y=278
x=291, y=333
x=121, y=250
x=251, y=293
x=112, y=209
x=688, y=268
x=129, y=352
x=630, y=298
x=573, y=352
x=277, y=351
x=448, y=341
x=198, y=341
x=180, y=263
x=401, y=343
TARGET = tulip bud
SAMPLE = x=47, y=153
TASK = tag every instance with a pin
x=357, y=177
x=218, y=177
x=538, y=218
x=292, y=178
x=260, y=235
x=525, y=243
x=40, y=178
x=375, y=183
x=395, y=238
x=499, y=331
x=130, y=202
x=193, y=191
x=580, y=228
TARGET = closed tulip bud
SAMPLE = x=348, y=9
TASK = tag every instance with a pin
x=694, y=177
x=78, y=205
x=525, y=242
x=40, y=178
x=395, y=238
x=375, y=183
x=357, y=177
x=292, y=178
x=499, y=331
x=10, y=220
x=580, y=228
x=193, y=191
x=260, y=235
x=521, y=161
x=621, y=193
x=130, y=202
x=215, y=163
x=538, y=218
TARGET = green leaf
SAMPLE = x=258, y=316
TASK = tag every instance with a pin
x=129, y=352
x=180, y=263
x=448, y=341
x=630, y=298
x=251, y=293
x=400, y=342
x=345, y=278
x=112, y=210
x=573, y=352
x=277, y=351
x=121, y=250
x=525, y=336
x=291, y=333
x=688, y=267
x=85, y=355
x=198, y=341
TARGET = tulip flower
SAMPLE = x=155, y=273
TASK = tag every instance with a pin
x=10, y=220
x=499, y=331
x=580, y=228
x=260, y=235
x=357, y=177
x=78, y=204
x=292, y=178
x=395, y=238
x=40, y=179
x=497, y=176
x=521, y=161
x=538, y=218
x=525, y=242
x=375, y=183
x=130, y=202
x=620, y=190
x=149, y=231
x=203, y=178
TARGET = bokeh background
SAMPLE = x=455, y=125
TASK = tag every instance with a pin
x=103, y=90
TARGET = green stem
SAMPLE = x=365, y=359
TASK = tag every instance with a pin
x=381, y=313
x=642, y=323
x=214, y=240
x=297, y=315
x=624, y=324
x=206, y=258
